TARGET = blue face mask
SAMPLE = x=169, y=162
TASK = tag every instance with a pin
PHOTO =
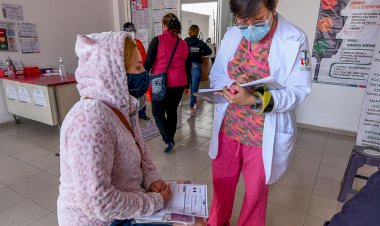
x=255, y=33
x=138, y=84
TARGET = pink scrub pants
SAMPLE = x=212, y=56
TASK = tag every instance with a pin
x=234, y=158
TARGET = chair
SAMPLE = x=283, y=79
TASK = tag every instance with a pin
x=360, y=155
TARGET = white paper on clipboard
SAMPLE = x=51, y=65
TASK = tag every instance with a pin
x=211, y=96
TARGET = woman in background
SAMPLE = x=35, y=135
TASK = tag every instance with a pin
x=178, y=74
x=198, y=49
x=130, y=27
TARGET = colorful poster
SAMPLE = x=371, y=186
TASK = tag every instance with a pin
x=12, y=12
x=139, y=4
x=8, y=36
x=345, y=41
x=369, y=124
x=3, y=39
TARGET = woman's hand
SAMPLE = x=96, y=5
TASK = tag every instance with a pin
x=239, y=97
x=157, y=186
x=166, y=193
x=243, y=79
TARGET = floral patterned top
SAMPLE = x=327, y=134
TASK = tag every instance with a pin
x=240, y=123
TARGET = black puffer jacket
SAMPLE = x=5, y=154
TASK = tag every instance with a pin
x=198, y=48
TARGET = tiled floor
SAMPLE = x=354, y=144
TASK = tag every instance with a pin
x=306, y=195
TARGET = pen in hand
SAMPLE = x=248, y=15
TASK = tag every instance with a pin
x=232, y=89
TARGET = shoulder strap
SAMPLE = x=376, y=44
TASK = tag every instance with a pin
x=126, y=124
x=171, y=57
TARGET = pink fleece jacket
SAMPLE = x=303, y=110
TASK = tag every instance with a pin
x=104, y=176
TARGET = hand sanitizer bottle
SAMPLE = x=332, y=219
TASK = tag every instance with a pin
x=62, y=70
x=11, y=72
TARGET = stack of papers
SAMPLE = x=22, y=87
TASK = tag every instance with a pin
x=188, y=201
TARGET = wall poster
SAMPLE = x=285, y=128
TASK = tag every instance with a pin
x=345, y=40
x=12, y=12
x=27, y=30
x=147, y=17
x=30, y=45
x=369, y=124
x=140, y=18
x=8, y=36
x=160, y=9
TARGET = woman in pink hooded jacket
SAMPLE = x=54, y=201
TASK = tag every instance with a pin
x=104, y=174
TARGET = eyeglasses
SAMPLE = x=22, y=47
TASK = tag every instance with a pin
x=258, y=23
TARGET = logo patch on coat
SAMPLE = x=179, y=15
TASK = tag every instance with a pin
x=305, y=61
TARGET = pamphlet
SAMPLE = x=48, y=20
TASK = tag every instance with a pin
x=167, y=218
x=3, y=64
x=17, y=65
x=214, y=96
x=188, y=201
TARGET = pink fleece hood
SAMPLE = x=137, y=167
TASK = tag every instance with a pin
x=101, y=72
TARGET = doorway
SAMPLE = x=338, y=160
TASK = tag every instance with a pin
x=203, y=14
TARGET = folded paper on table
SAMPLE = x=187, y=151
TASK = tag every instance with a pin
x=210, y=95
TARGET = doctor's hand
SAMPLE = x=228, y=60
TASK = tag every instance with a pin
x=240, y=97
x=157, y=186
x=243, y=79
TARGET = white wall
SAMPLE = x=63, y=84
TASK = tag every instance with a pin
x=330, y=106
x=59, y=21
x=205, y=8
x=189, y=18
x=120, y=8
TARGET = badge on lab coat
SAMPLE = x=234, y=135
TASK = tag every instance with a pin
x=305, y=61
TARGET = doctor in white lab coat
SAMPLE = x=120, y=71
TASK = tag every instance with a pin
x=287, y=60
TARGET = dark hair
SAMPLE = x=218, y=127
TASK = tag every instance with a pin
x=129, y=27
x=248, y=8
x=171, y=21
x=193, y=30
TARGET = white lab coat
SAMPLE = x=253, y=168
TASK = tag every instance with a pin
x=279, y=135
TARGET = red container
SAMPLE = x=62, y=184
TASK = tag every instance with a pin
x=31, y=71
x=4, y=73
x=19, y=72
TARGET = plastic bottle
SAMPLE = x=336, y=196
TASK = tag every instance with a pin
x=11, y=72
x=61, y=68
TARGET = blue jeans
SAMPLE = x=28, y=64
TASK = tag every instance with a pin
x=196, y=73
